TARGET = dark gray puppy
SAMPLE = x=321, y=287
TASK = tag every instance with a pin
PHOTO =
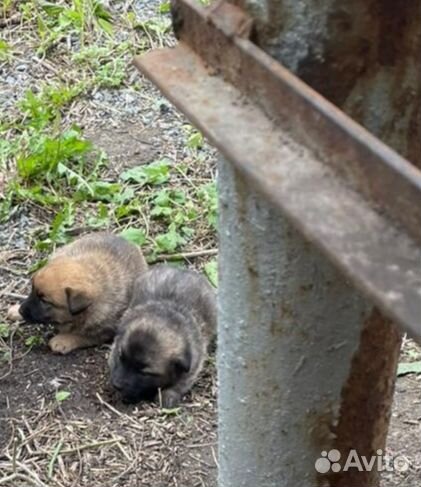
x=162, y=339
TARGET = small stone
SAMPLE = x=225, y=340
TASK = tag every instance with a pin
x=13, y=313
x=130, y=98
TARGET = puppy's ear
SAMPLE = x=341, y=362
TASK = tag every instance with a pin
x=77, y=301
x=182, y=364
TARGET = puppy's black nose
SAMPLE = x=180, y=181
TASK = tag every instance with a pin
x=129, y=399
x=23, y=310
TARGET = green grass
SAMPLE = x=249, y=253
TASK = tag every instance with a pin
x=51, y=167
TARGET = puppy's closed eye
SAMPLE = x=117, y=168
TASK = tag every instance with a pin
x=44, y=299
x=138, y=366
x=148, y=373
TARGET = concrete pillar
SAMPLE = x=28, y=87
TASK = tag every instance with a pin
x=305, y=363
x=296, y=377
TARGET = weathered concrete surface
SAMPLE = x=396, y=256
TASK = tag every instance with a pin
x=305, y=363
x=301, y=356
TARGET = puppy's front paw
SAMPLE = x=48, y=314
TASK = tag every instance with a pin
x=170, y=398
x=63, y=344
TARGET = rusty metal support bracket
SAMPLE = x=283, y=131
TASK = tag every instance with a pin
x=348, y=193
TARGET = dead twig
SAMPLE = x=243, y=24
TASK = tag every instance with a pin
x=12, y=20
x=184, y=255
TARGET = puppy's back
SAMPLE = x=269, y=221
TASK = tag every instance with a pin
x=108, y=244
x=185, y=288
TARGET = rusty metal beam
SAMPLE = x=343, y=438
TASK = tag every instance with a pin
x=351, y=195
x=375, y=171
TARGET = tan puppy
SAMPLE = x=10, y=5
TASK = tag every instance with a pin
x=84, y=290
x=163, y=337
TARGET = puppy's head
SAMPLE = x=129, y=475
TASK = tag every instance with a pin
x=60, y=292
x=148, y=355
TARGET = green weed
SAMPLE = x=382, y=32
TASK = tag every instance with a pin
x=211, y=271
x=5, y=51
x=111, y=74
x=169, y=241
x=154, y=29
x=152, y=174
x=57, y=234
x=4, y=330
x=208, y=198
x=61, y=396
x=164, y=7
x=34, y=341
x=134, y=235
x=6, y=6
x=80, y=18
x=55, y=156
x=195, y=138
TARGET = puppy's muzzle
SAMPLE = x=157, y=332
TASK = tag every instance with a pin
x=25, y=311
x=130, y=389
x=32, y=311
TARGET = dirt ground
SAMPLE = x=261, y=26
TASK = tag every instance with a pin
x=404, y=440
x=104, y=441
x=92, y=439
